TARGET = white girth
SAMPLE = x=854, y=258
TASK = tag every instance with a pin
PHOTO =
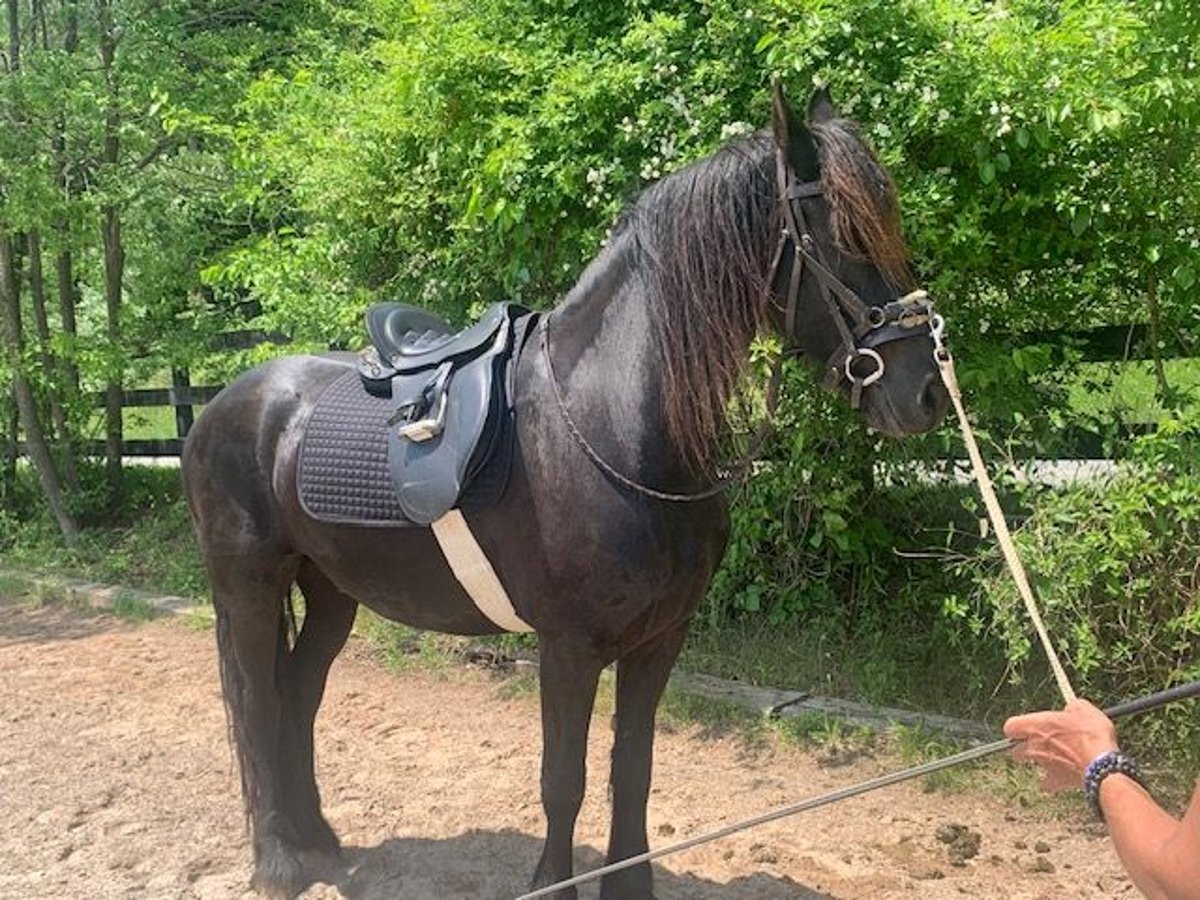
x=474, y=572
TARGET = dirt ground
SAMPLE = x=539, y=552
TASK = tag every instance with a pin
x=116, y=781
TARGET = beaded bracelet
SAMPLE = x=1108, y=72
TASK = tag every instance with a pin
x=1107, y=763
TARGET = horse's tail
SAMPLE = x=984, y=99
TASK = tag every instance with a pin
x=235, y=691
x=233, y=695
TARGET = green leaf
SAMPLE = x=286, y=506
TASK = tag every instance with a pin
x=751, y=599
x=833, y=522
x=987, y=172
x=1184, y=276
x=766, y=41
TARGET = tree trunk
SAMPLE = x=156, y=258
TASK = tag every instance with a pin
x=64, y=264
x=14, y=35
x=114, y=259
x=35, y=440
x=53, y=371
x=8, y=453
x=114, y=266
x=68, y=299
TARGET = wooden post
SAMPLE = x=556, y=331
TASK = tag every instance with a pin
x=184, y=417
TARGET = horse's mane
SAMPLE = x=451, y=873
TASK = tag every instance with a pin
x=862, y=199
x=707, y=234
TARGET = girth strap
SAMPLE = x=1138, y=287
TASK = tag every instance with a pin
x=475, y=573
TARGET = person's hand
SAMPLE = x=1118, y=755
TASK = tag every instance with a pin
x=1062, y=743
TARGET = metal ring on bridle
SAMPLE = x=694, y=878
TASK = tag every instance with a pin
x=853, y=357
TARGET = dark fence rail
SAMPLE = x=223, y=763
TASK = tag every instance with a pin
x=1114, y=343
x=1111, y=343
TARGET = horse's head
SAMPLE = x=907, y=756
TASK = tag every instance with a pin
x=843, y=295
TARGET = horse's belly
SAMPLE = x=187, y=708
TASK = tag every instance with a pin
x=401, y=574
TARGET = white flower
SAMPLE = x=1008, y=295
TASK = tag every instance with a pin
x=943, y=116
x=735, y=129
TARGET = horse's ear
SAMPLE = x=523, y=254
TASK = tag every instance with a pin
x=820, y=107
x=792, y=136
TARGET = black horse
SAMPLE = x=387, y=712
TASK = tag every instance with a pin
x=624, y=396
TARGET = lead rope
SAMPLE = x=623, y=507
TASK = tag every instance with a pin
x=945, y=364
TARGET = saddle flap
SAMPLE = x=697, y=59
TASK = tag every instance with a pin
x=430, y=474
x=432, y=467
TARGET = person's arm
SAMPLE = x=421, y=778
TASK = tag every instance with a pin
x=1161, y=854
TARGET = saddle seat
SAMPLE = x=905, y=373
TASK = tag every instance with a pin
x=453, y=400
x=408, y=338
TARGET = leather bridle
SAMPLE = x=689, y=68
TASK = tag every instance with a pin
x=862, y=327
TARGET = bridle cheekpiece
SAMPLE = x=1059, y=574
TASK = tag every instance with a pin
x=862, y=327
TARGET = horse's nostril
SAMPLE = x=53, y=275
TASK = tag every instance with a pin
x=933, y=396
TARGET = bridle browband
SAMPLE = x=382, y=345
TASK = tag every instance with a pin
x=862, y=327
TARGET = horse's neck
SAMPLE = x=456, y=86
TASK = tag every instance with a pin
x=609, y=367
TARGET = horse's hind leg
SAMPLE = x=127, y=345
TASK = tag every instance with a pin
x=328, y=618
x=272, y=692
x=641, y=677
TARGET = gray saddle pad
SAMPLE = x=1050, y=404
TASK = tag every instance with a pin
x=343, y=473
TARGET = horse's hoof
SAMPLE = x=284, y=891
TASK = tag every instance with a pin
x=279, y=873
x=541, y=880
x=636, y=883
x=327, y=865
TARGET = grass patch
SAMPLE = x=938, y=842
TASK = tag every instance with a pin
x=14, y=585
x=44, y=593
x=902, y=666
x=520, y=686
x=198, y=619
x=715, y=718
x=132, y=608
x=402, y=649
x=148, y=545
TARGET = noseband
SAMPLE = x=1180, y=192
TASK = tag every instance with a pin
x=861, y=327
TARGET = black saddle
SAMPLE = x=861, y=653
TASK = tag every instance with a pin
x=452, y=399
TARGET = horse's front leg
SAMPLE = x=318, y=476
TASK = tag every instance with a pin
x=569, y=673
x=641, y=677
